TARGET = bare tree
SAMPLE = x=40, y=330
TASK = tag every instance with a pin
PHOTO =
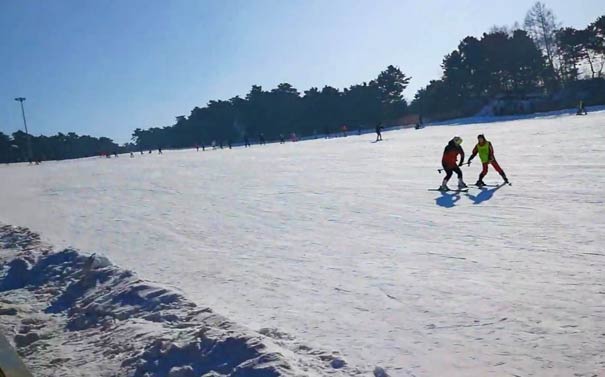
x=542, y=25
x=500, y=29
x=595, y=46
x=508, y=30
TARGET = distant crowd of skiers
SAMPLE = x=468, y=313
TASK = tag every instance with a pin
x=293, y=137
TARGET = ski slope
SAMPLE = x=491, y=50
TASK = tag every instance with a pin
x=339, y=244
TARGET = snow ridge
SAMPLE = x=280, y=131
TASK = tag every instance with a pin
x=81, y=315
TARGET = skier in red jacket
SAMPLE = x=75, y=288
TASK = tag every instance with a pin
x=450, y=163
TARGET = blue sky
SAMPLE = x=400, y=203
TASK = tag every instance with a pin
x=106, y=67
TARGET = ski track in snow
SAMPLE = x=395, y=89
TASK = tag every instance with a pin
x=339, y=244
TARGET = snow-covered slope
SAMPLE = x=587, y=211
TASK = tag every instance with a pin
x=338, y=243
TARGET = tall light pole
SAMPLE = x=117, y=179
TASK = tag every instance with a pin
x=29, y=139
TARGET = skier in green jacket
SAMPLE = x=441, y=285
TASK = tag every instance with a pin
x=486, y=153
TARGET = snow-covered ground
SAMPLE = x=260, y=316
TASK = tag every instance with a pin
x=339, y=244
x=79, y=315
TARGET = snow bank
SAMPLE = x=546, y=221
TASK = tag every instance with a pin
x=73, y=314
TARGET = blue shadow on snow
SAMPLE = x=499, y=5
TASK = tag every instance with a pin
x=486, y=193
x=447, y=199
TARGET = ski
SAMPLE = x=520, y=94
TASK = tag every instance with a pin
x=450, y=190
x=494, y=185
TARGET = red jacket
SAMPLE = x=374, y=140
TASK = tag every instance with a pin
x=450, y=155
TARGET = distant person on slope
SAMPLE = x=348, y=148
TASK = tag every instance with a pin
x=581, y=109
x=379, y=129
x=450, y=164
x=486, y=153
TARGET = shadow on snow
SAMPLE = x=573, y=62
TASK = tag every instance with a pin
x=484, y=194
x=449, y=199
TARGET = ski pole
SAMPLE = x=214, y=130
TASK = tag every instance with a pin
x=440, y=170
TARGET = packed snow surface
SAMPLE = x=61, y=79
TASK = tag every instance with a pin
x=339, y=244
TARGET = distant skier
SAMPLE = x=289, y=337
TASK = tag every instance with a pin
x=197, y=147
x=159, y=150
x=229, y=144
x=486, y=154
x=131, y=155
x=450, y=164
x=344, y=130
x=419, y=124
x=246, y=141
x=261, y=139
x=282, y=139
x=581, y=109
x=379, y=129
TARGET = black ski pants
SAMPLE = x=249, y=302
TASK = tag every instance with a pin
x=449, y=170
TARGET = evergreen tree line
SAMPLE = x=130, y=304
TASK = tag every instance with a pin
x=16, y=147
x=283, y=111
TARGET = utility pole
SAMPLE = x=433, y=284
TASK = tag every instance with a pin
x=29, y=138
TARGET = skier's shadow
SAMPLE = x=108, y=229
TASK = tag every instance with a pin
x=485, y=194
x=447, y=200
